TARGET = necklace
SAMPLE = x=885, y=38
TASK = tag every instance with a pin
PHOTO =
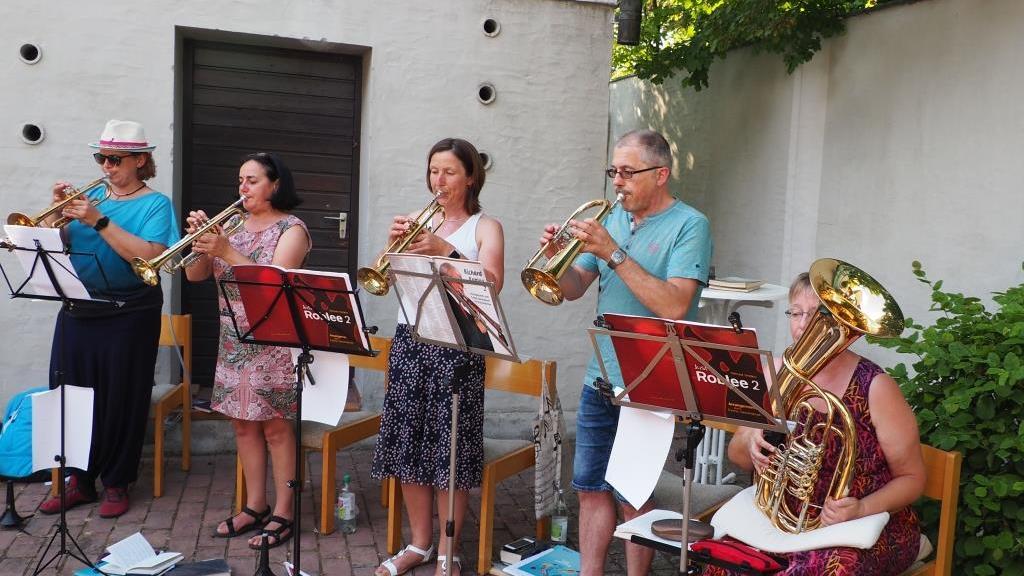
x=119, y=195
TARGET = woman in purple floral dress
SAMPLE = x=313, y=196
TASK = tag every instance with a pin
x=889, y=472
x=254, y=385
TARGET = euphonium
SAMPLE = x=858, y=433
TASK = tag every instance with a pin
x=149, y=270
x=70, y=193
x=375, y=278
x=852, y=304
x=542, y=281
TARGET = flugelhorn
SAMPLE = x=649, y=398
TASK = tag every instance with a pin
x=149, y=270
x=852, y=304
x=70, y=193
x=375, y=278
x=542, y=281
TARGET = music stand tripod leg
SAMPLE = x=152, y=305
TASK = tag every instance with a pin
x=694, y=435
x=459, y=374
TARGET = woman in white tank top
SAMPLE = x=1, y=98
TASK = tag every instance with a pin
x=414, y=436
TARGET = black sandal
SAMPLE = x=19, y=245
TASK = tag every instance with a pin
x=260, y=520
x=280, y=535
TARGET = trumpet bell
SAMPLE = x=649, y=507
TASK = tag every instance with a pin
x=145, y=272
x=19, y=219
x=372, y=281
x=542, y=286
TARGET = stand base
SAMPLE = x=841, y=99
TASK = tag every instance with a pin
x=263, y=560
x=673, y=530
x=11, y=520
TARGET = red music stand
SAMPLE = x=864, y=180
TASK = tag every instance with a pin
x=305, y=309
x=696, y=372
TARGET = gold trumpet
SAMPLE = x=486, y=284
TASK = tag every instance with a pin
x=375, y=278
x=149, y=270
x=542, y=281
x=70, y=193
x=852, y=304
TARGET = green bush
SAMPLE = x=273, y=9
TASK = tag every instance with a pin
x=967, y=389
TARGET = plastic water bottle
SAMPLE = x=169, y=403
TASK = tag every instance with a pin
x=560, y=520
x=347, y=509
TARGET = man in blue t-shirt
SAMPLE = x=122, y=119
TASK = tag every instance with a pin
x=651, y=255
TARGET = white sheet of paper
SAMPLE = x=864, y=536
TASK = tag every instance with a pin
x=39, y=283
x=77, y=427
x=638, y=455
x=325, y=402
x=130, y=551
x=641, y=526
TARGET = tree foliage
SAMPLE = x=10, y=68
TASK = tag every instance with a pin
x=685, y=36
x=967, y=389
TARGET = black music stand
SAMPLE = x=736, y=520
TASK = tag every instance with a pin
x=282, y=302
x=440, y=286
x=43, y=260
x=664, y=351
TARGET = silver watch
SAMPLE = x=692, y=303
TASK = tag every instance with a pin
x=617, y=257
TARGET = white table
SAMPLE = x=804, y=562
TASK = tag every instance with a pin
x=716, y=305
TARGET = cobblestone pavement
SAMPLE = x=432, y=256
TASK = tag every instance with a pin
x=195, y=501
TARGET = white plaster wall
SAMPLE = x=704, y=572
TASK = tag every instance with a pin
x=899, y=141
x=546, y=131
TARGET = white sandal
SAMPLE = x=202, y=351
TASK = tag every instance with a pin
x=427, y=554
x=443, y=561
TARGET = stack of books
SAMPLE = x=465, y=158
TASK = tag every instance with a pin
x=735, y=283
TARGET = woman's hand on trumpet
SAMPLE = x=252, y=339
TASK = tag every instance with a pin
x=82, y=209
x=59, y=190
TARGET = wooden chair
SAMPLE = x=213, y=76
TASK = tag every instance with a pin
x=942, y=484
x=328, y=440
x=175, y=331
x=502, y=458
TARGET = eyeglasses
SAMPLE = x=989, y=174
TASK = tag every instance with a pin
x=798, y=314
x=627, y=173
x=114, y=160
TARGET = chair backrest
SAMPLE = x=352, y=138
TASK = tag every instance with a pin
x=176, y=330
x=942, y=483
x=520, y=378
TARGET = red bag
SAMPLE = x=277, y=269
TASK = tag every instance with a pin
x=738, y=553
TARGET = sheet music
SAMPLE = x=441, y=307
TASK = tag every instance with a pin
x=324, y=401
x=130, y=551
x=38, y=281
x=78, y=403
x=433, y=323
x=641, y=445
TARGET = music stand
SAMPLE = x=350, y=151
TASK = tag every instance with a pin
x=298, y=309
x=443, y=285
x=661, y=355
x=49, y=287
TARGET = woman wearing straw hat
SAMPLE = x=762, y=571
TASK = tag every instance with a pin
x=113, y=349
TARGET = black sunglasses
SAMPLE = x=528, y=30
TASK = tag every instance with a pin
x=114, y=160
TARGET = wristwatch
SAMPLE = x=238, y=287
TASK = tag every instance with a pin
x=617, y=257
x=101, y=223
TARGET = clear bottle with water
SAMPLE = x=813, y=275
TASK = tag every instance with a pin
x=560, y=520
x=347, y=509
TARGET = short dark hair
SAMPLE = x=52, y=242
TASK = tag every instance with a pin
x=654, y=146
x=284, y=198
x=471, y=162
x=148, y=170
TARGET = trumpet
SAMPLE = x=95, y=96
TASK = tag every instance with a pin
x=375, y=278
x=149, y=270
x=70, y=193
x=542, y=281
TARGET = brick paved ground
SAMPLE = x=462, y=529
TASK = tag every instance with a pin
x=195, y=501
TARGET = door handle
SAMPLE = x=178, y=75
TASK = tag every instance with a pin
x=342, y=219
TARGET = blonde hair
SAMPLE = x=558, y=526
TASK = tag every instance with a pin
x=802, y=283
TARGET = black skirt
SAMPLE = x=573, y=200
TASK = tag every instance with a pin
x=415, y=428
x=112, y=351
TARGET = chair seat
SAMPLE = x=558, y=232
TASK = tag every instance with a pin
x=668, y=494
x=313, y=432
x=495, y=448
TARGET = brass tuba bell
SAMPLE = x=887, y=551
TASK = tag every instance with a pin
x=852, y=304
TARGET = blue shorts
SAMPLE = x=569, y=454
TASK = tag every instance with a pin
x=596, y=423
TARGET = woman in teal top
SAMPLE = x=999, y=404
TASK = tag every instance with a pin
x=112, y=349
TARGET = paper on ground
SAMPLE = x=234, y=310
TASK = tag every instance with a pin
x=325, y=401
x=638, y=454
x=77, y=427
x=39, y=283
